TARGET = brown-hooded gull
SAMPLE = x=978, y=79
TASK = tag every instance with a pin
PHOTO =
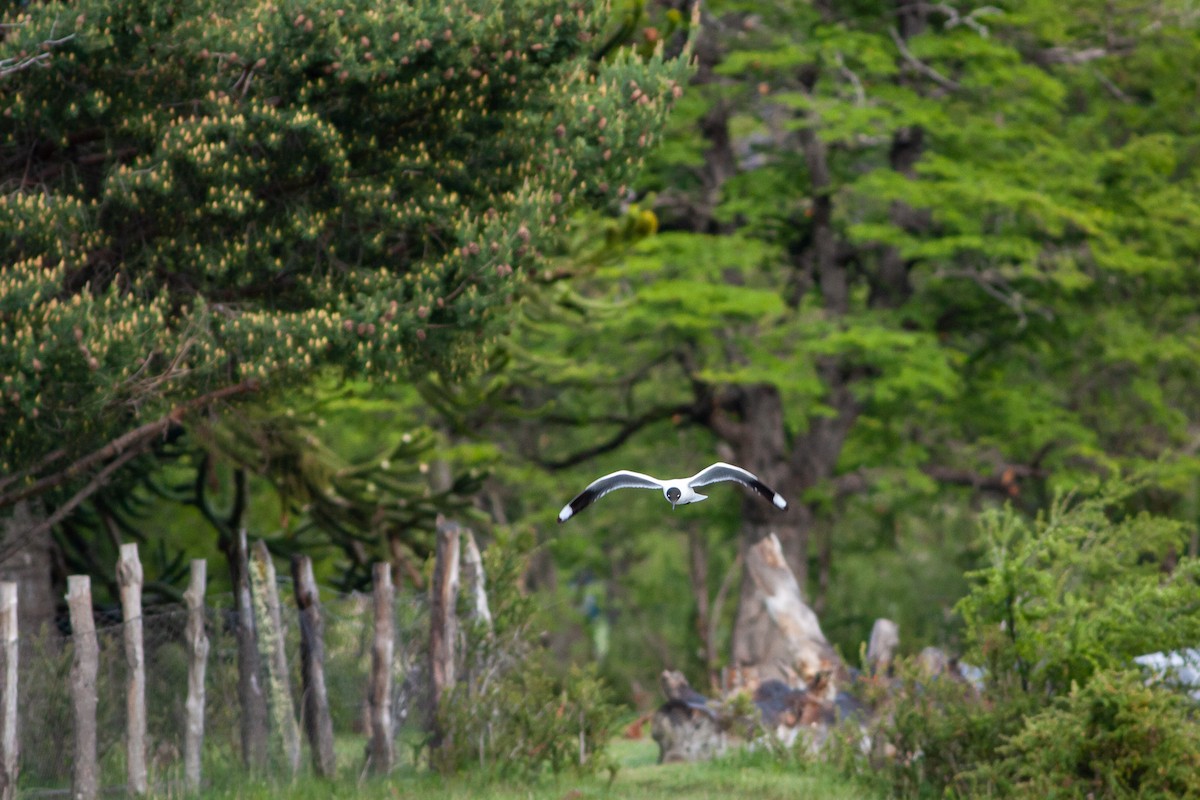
x=678, y=491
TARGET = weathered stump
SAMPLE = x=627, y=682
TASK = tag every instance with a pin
x=807, y=649
x=686, y=728
x=881, y=647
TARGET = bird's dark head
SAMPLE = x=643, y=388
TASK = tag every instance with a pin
x=673, y=495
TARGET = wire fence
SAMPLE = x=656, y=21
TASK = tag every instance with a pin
x=44, y=701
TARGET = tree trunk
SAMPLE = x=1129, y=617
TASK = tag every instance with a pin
x=9, y=656
x=84, y=668
x=268, y=622
x=379, y=749
x=29, y=563
x=250, y=694
x=129, y=578
x=197, y=646
x=318, y=725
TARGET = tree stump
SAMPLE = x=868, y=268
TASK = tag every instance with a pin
x=808, y=652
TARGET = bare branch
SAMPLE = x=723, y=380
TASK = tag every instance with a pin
x=16, y=64
x=921, y=66
x=49, y=458
x=860, y=96
x=1002, y=481
x=954, y=17
x=98, y=480
x=1112, y=88
x=135, y=441
x=622, y=435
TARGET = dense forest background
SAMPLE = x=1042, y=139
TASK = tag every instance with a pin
x=326, y=271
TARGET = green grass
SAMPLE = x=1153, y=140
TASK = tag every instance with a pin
x=757, y=776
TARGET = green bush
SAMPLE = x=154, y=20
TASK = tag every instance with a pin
x=1057, y=616
x=516, y=712
x=1114, y=737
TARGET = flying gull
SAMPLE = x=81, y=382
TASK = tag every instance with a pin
x=678, y=491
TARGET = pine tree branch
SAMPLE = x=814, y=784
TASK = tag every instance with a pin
x=135, y=441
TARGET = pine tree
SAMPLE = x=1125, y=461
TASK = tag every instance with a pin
x=209, y=199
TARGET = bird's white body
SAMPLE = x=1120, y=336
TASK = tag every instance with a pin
x=677, y=491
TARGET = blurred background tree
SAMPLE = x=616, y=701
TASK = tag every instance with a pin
x=911, y=259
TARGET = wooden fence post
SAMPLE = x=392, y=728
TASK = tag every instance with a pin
x=129, y=578
x=84, y=668
x=250, y=694
x=442, y=623
x=197, y=646
x=268, y=621
x=379, y=750
x=9, y=743
x=318, y=724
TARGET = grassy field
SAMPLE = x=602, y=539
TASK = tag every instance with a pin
x=742, y=775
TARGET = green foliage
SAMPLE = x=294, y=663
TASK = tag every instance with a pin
x=1080, y=590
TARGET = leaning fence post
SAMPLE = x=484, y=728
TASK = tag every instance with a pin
x=84, y=667
x=197, y=646
x=318, y=724
x=268, y=620
x=129, y=578
x=379, y=749
x=442, y=622
x=250, y=694
x=9, y=743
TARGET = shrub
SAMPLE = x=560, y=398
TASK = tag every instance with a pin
x=515, y=712
x=1113, y=737
x=1063, y=606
